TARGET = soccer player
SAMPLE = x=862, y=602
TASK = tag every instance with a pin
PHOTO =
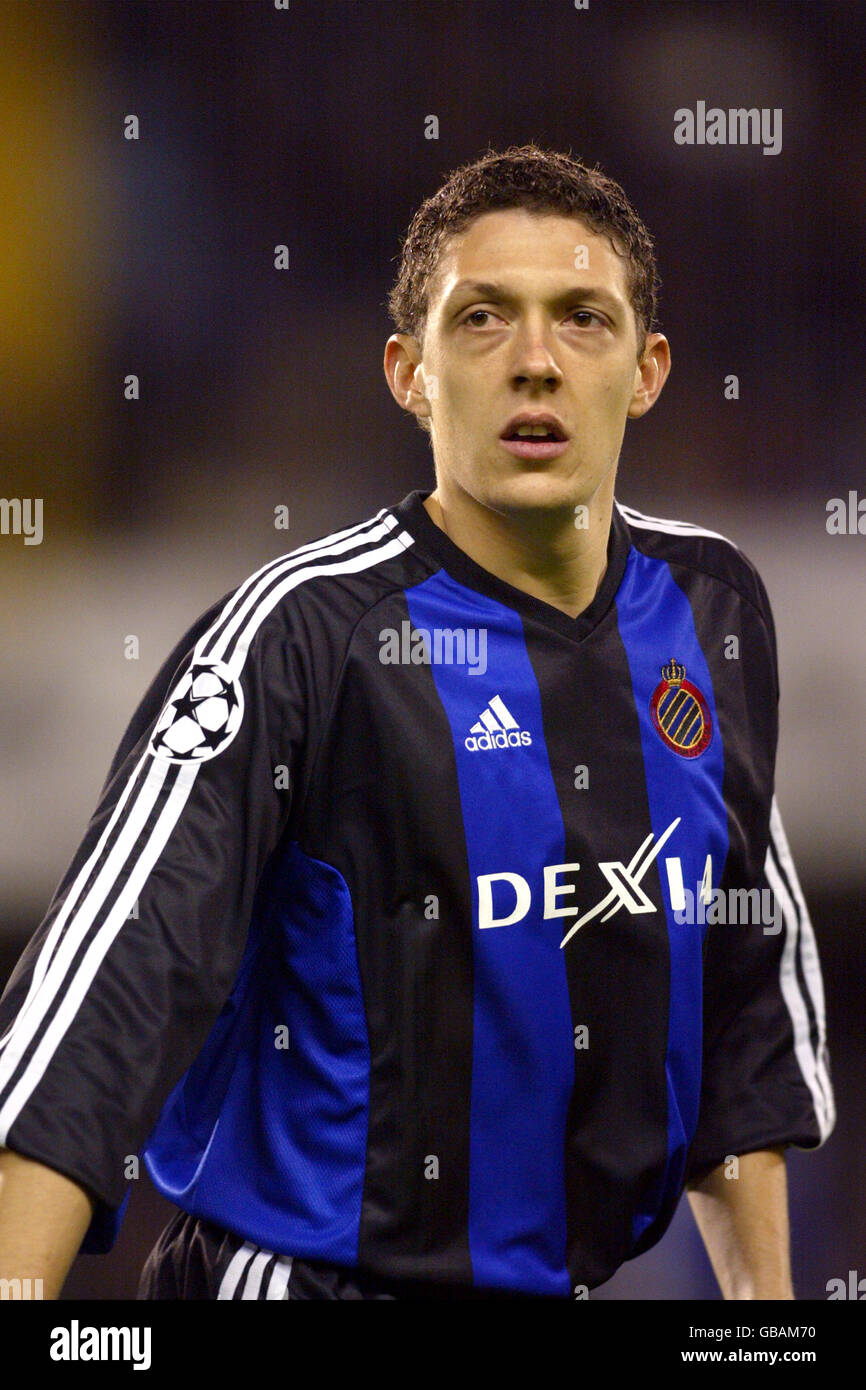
x=407, y=942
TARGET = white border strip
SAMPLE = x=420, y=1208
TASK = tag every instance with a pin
x=672, y=528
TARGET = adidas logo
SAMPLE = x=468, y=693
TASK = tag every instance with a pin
x=496, y=728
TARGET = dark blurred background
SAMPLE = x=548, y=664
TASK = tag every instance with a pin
x=261, y=388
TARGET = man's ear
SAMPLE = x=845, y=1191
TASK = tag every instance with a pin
x=650, y=375
x=404, y=374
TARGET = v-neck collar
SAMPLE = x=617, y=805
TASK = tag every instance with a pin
x=414, y=517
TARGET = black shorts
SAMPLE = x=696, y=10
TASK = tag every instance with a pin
x=193, y=1259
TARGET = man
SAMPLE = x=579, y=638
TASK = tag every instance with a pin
x=389, y=941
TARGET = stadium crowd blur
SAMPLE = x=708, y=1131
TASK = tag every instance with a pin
x=262, y=388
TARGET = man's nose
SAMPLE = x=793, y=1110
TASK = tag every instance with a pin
x=534, y=354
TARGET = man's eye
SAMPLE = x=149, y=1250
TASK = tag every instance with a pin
x=585, y=317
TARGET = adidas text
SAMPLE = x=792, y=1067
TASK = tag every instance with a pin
x=511, y=738
x=496, y=727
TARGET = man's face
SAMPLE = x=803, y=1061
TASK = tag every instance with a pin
x=529, y=312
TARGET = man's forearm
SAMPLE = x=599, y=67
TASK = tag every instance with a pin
x=43, y=1218
x=744, y=1224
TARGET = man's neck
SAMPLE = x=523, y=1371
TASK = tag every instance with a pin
x=543, y=553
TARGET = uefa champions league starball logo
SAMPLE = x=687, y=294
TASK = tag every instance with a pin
x=202, y=715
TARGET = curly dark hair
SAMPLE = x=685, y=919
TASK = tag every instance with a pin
x=529, y=177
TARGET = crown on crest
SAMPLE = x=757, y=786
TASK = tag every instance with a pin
x=674, y=673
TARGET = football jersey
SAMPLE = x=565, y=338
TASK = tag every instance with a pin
x=404, y=933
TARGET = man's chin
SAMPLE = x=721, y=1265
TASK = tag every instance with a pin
x=534, y=489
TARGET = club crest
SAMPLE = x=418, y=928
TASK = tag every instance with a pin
x=680, y=713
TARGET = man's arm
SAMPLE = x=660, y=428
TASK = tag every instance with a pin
x=43, y=1218
x=119, y=987
x=744, y=1225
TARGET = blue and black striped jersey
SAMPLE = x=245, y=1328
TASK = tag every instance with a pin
x=410, y=930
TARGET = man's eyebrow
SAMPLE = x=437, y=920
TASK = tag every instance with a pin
x=490, y=289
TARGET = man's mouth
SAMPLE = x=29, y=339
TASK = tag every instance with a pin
x=535, y=443
x=534, y=436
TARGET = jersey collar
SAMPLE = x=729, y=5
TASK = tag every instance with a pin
x=432, y=540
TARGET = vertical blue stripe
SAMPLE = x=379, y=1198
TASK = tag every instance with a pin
x=656, y=623
x=523, y=1048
